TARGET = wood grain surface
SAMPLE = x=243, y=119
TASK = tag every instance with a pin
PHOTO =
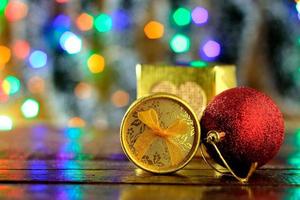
x=40, y=162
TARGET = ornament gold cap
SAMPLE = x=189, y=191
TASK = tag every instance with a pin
x=214, y=137
x=160, y=133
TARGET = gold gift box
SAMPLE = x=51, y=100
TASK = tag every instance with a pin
x=195, y=85
x=160, y=133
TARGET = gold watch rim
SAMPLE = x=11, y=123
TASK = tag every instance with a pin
x=196, y=142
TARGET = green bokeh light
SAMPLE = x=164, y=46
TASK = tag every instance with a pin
x=3, y=4
x=182, y=16
x=103, y=23
x=296, y=138
x=180, y=43
x=14, y=84
x=30, y=108
x=198, y=64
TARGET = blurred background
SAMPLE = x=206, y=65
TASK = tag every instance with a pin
x=70, y=64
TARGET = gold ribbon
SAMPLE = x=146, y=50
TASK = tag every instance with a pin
x=155, y=131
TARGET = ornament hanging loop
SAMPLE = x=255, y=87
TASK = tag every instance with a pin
x=214, y=137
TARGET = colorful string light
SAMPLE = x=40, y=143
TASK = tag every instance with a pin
x=182, y=16
x=30, y=108
x=103, y=23
x=3, y=4
x=298, y=7
x=62, y=21
x=16, y=10
x=5, y=55
x=73, y=133
x=211, y=49
x=36, y=85
x=4, y=91
x=120, y=98
x=121, y=20
x=60, y=24
x=38, y=59
x=198, y=63
x=6, y=124
x=62, y=1
x=70, y=42
x=14, y=85
x=96, y=63
x=180, y=43
x=5, y=86
x=154, y=30
x=21, y=49
x=199, y=15
x=83, y=90
x=76, y=122
x=85, y=22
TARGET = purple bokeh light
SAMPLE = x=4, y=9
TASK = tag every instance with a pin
x=121, y=20
x=199, y=15
x=211, y=49
x=62, y=21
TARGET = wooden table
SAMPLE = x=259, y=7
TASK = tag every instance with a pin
x=39, y=162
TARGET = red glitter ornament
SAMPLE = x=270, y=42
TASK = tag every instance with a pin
x=253, y=127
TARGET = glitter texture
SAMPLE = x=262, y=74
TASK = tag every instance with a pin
x=253, y=125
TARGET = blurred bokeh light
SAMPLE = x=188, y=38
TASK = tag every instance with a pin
x=72, y=63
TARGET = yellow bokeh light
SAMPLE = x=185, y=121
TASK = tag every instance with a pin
x=5, y=87
x=154, y=30
x=96, y=63
x=5, y=55
x=76, y=122
x=120, y=98
x=4, y=90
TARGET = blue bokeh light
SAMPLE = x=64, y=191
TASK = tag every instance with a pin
x=62, y=21
x=121, y=20
x=38, y=59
